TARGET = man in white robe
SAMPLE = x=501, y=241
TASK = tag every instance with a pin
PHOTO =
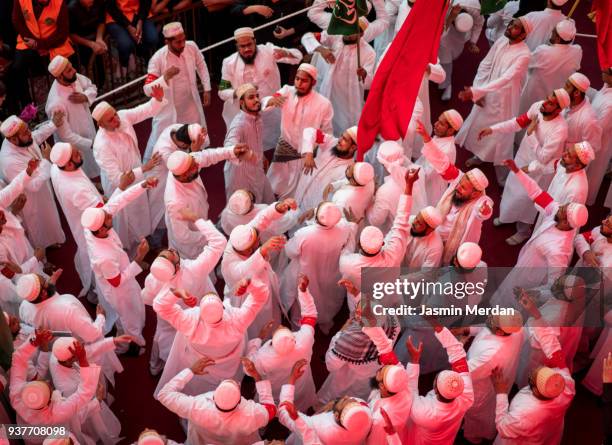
x=544, y=22
x=40, y=216
x=73, y=94
x=247, y=127
x=498, y=21
x=496, y=93
x=75, y=193
x=424, y=248
x=551, y=64
x=541, y=146
x=213, y=329
x=175, y=67
x=221, y=415
x=301, y=108
x=355, y=191
x=257, y=65
x=170, y=269
x=116, y=152
x=185, y=189
x=583, y=123
x=115, y=274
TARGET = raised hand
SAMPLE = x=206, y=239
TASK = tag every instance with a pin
x=298, y=370
x=188, y=299
x=484, y=133
x=100, y=310
x=157, y=92
x=264, y=332
x=422, y=131
x=303, y=282
x=349, y=286
x=285, y=205
x=152, y=163
x=500, y=384
x=199, y=367
x=511, y=165
x=242, y=287
x=291, y=409
x=32, y=166
x=42, y=337
x=274, y=244
x=414, y=351
x=78, y=351
x=250, y=369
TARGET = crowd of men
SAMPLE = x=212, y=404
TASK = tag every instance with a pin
x=289, y=247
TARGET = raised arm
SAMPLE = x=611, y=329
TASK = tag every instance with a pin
x=166, y=306
x=121, y=198
x=210, y=256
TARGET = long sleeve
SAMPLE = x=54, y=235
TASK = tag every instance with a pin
x=143, y=112
x=310, y=42
x=380, y=209
x=266, y=217
x=318, y=15
x=582, y=243
x=215, y=245
x=226, y=89
x=519, y=67
x=82, y=326
x=509, y=126
x=109, y=163
x=43, y=132
x=69, y=407
x=258, y=294
x=66, y=133
x=212, y=156
x=510, y=425
x=540, y=198
x=89, y=89
x=395, y=241
x=295, y=55
x=40, y=177
x=264, y=391
x=9, y=193
x=437, y=73
x=19, y=370
x=112, y=272
x=201, y=68
x=380, y=24
x=120, y=198
x=312, y=137
x=171, y=397
x=440, y=161
x=184, y=321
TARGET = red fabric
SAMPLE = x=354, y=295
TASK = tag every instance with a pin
x=460, y=366
x=271, y=411
x=543, y=200
x=116, y=281
x=397, y=80
x=588, y=236
x=603, y=27
x=450, y=173
x=556, y=361
x=100, y=204
x=388, y=359
x=555, y=165
x=523, y=120
x=8, y=273
x=312, y=321
x=317, y=35
x=151, y=78
x=320, y=137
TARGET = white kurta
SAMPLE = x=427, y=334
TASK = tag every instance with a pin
x=115, y=274
x=357, y=198
x=183, y=104
x=499, y=81
x=498, y=21
x=228, y=220
x=601, y=102
x=549, y=67
x=209, y=425
x=543, y=23
x=117, y=152
x=78, y=128
x=75, y=193
x=423, y=252
x=248, y=129
x=40, y=217
x=179, y=195
x=453, y=41
x=538, y=151
x=224, y=342
x=435, y=185
x=298, y=113
x=264, y=74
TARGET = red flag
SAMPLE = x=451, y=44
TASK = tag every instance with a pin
x=396, y=83
x=603, y=24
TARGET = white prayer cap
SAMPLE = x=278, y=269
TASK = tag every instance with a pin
x=240, y=202
x=432, y=216
x=478, y=179
x=527, y=25
x=61, y=348
x=101, y=109
x=242, y=237
x=328, y=214
x=28, y=287
x=163, y=269
x=36, y=394
x=390, y=152
x=11, y=126
x=211, y=308
x=454, y=119
x=61, y=153
x=510, y=323
x=395, y=378
x=449, y=384
x=283, y=341
x=242, y=89
x=308, y=69
x=244, y=32
x=371, y=240
x=562, y=98
x=464, y=22
x=584, y=151
x=352, y=132
x=559, y=2
x=566, y=29
x=549, y=383
x=179, y=162
x=577, y=215
x=356, y=416
x=194, y=130
x=93, y=218
x=172, y=29
x=469, y=255
x=580, y=81
x=363, y=173
x=150, y=438
x=227, y=395
x=58, y=65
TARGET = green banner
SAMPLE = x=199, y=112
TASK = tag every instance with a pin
x=345, y=17
x=488, y=7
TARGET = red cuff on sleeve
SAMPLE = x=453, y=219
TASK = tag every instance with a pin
x=460, y=366
x=588, y=236
x=555, y=165
x=276, y=95
x=388, y=359
x=320, y=137
x=271, y=411
x=312, y=321
x=556, y=361
x=543, y=200
x=8, y=273
x=438, y=328
x=317, y=35
x=116, y=281
x=450, y=173
x=523, y=120
x=100, y=204
x=151, y=78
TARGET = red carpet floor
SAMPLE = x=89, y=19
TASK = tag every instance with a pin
x=134, y=403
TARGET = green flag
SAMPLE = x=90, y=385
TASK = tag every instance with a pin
x=345, y=17
x=488, y=7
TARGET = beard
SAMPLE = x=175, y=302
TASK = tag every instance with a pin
x=341, y=154
x=250, y=59
x=417, y=234
x=256, y=109
x=78, y=165
x=458, y=200
x=25, y=144
x=191, y=177
x=302, y=94
x=557, y=219
x=71, y=79
x=51, y=289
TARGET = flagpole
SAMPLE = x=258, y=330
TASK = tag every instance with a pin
x=573, y=8
x=358, y=48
